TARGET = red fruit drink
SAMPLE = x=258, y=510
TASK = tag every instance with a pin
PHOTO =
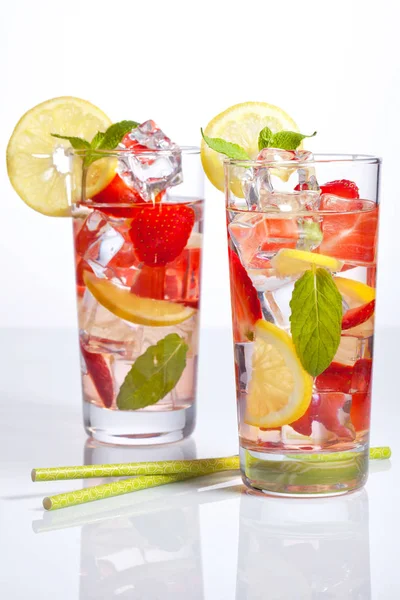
x=138, y=257
x=303, y=272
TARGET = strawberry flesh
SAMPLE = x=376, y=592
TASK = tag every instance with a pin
x=246, y=308
x=327, y=408
x=336, y=377
x=159, y=232
x=100, y=375
x=357, y=316
x=342, y=187
x=117, y=192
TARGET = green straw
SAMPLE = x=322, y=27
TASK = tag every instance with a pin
x=109, y=490
x=170, y=467
x=164, y=467
x=178, y=471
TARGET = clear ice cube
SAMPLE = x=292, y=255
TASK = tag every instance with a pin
x=262, y=186
x=154, y=162
x=330, y=202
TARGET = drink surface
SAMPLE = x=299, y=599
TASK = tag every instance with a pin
x=269, y=252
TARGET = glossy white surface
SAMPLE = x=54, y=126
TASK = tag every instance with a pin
x=204, y=539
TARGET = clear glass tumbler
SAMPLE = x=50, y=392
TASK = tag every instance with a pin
x=302, y=235
x=138, y=262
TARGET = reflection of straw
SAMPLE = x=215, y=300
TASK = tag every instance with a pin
x=163, y=467
x=187, y=495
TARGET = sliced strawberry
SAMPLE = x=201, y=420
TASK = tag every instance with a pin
x=336, y=377
x=117, y=192
x=177, y=282
x=357, y=316
x=100, y=375
x=246, y=308
x=362, y=375
x=160, y=232
x=341, y=187
x=328, y=409
x=350, y=234
x=304, y=424
x=360, y=411
x=150, y=282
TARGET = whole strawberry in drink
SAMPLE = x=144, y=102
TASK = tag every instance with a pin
x=302, y=243
x=138, y=239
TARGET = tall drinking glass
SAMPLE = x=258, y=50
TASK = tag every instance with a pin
x=138, y=259
x=302, y=236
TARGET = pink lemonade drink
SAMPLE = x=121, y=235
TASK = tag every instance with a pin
x=138, y=256
x=302, y=236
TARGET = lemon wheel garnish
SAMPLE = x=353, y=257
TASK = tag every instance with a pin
x=36, y=163
x=135, y=309
x=280, y=390
x=292, y=262
x=241, y=124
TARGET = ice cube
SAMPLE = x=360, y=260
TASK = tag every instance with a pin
x=330, y=202
x=104, y=332
x=103, y=249
x=154, y=162
x=90, y=229
x=288, y=202
x=262, y=185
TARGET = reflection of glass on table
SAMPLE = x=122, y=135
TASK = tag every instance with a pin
x=150, y=551
x=301, y=550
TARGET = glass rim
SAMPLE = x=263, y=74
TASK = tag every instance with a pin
x=184, y=150
x=369, y=159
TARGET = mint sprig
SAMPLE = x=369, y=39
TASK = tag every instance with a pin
x=285, y=140
x=316, y=319
x=154, y=374
x=234, y=151
x=107, y=140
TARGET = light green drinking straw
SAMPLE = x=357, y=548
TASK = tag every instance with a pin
x=183, y=470
x=169, y=467
x=163, y=467
x=109, y=490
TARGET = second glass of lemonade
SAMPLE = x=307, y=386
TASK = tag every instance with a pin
x=302, y=235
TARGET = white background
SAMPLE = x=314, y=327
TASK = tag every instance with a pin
x=333, y=66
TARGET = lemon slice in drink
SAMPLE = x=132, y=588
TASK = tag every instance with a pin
x=241, y=124
x=36, y=162
x=355, y=290
x=292, y=262
x=135, y=309
x=280, y=390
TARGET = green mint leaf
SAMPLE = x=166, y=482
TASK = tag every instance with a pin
x=316, y=319
x=154, y=374
x=264, y=138
x=288, y=140
x=76, y=142
x=115, y=133
x=223, y=147
x=98, y=138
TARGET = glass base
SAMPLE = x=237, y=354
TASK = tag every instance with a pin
x=305, y=474
x=133, y=428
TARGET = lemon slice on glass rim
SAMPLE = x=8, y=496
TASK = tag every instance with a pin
x=280, y=390
x=241, y=124
x=36, y=162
